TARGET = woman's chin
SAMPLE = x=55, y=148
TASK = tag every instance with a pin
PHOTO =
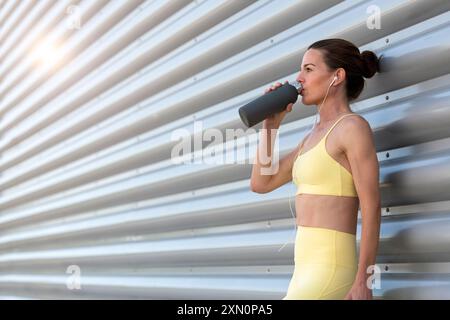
x=307, y=102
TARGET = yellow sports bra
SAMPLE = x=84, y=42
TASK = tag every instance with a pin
x=316, y=172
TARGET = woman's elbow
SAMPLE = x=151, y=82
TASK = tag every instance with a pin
x=257, y=188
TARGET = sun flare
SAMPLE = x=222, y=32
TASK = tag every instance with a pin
x=46, y=54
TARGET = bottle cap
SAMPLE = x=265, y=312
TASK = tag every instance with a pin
x=297, y=85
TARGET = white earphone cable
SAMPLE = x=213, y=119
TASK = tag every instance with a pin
x=310, y=130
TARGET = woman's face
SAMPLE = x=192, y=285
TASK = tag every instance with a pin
x=315, y=77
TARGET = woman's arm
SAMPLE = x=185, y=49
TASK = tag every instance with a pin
x=360, y=150
x=263, y=183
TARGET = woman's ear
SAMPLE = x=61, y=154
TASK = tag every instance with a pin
x=340, y=74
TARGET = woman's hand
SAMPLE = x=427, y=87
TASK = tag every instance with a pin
x=359, y=291
x=274, y=120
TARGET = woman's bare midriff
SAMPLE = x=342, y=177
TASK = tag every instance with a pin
x=325, y=211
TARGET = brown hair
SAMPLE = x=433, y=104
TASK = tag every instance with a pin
x=340, y=53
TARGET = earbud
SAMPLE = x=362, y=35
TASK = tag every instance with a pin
x=334, y=79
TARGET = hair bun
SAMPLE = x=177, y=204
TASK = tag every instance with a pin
x=370, y=64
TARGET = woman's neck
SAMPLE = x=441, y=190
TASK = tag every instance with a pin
x=331, y=110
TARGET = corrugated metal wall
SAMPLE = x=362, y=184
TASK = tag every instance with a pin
x=92, y=205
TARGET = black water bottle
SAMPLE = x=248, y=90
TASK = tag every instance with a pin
x=270, y=103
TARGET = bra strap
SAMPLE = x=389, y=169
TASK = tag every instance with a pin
x=345, y=115
x=301, y=148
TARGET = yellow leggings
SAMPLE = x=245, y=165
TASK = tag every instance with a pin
x=325, y=264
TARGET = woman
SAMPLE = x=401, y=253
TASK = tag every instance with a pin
x=336, y=174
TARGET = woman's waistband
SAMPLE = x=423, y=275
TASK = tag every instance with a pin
x=327, y=230
x=325, y=246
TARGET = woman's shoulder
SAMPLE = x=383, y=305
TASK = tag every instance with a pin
x=347, y=123
x=354, y=130
x=355, y=122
